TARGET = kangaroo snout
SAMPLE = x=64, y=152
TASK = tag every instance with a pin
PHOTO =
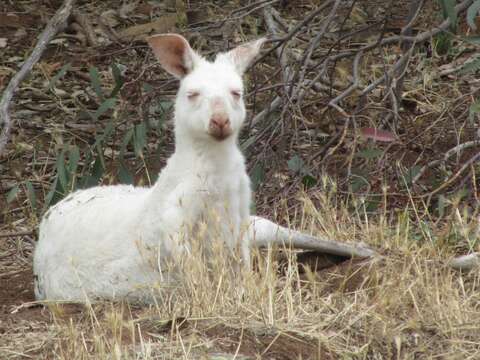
x=219, y=126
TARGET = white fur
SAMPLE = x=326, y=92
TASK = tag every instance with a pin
x=111, y=241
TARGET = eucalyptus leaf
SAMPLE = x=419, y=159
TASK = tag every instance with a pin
x=73, y=158
x=370, y=153
x=61, y=170
x=472, y=13
x=449, y=12
x=474, y=109
x=12, y=194
x=104, y=107
x=97, y=171
x=410, y=174
x=117, y=77
x=61, y=73
x=31, y=194
x=470, y=66
x=257, y=176
x=147, y=88
x=49, y=197
x=296, y=164
x=124, y=176
x=125, y=141
x=140, y=138
x=95, y=81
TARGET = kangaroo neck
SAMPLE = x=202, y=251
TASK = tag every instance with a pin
x=193, y=152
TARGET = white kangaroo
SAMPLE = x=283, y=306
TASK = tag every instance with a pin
x=93, y=244
x=110, y=241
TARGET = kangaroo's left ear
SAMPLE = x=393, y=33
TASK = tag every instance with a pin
x=243, y=55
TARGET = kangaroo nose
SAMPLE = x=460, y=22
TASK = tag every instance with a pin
x=219, y=126
x=219, y=121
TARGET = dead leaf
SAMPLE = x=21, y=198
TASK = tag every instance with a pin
x=15, y=21
x=3, y=43
x=109, y=17
x=139, y=32
x=127, y=8
x=377, y=134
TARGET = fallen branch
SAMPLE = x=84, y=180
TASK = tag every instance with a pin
x=53, y=27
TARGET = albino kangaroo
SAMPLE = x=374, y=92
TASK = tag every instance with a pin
x=92, y=244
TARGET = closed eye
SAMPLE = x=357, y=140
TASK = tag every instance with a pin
x=236, y=94
x=192, y=95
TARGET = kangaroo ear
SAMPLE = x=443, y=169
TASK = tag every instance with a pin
x=174, y=53
x=243, y=55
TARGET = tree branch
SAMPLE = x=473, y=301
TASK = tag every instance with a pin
x=52, y=28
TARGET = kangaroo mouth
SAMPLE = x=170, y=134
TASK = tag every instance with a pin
x=220, y=134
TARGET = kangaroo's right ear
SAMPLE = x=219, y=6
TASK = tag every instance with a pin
x=174, y=53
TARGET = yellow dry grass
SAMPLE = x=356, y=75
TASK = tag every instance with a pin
x=406, y=305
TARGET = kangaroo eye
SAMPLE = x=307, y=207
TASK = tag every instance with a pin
x=192, y=95
x=236, y=94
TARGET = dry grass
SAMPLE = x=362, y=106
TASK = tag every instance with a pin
x=405, y=305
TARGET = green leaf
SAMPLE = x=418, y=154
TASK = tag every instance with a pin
x=449, y=12
x=12, y=194
x=357, y=182
x=296, y=164
x=104, y=107
x=442, y=202
x=96, y=83
x=140, y=138
x=371, y=206
x=443, y=43
x=470, y=66
x=475, y=39
x=247, y=143
x=31, y=194
x=62, y=171
x=472, y=14
x=308, y=180
x=124, y=175
x=61, y=73
x=97, y=170
x=474, y=109
x=147, y=88
x=125, y=141
x=370, y=153
x=117, y=77
x=411, y=173
x=73, y=158
x=51, y=193
x=258, y=176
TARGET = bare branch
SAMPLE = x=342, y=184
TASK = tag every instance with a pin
x=52, y=28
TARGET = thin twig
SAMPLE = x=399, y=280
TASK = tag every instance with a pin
x=86, y=27
x=52, y=28
x=19, y=233
x=446, y=156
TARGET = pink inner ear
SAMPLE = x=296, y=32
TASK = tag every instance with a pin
x=171, y=51
x=243, y=55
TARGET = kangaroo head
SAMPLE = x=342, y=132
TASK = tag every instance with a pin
x=209, y=103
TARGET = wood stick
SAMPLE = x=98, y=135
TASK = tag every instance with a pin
x=53, y=27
